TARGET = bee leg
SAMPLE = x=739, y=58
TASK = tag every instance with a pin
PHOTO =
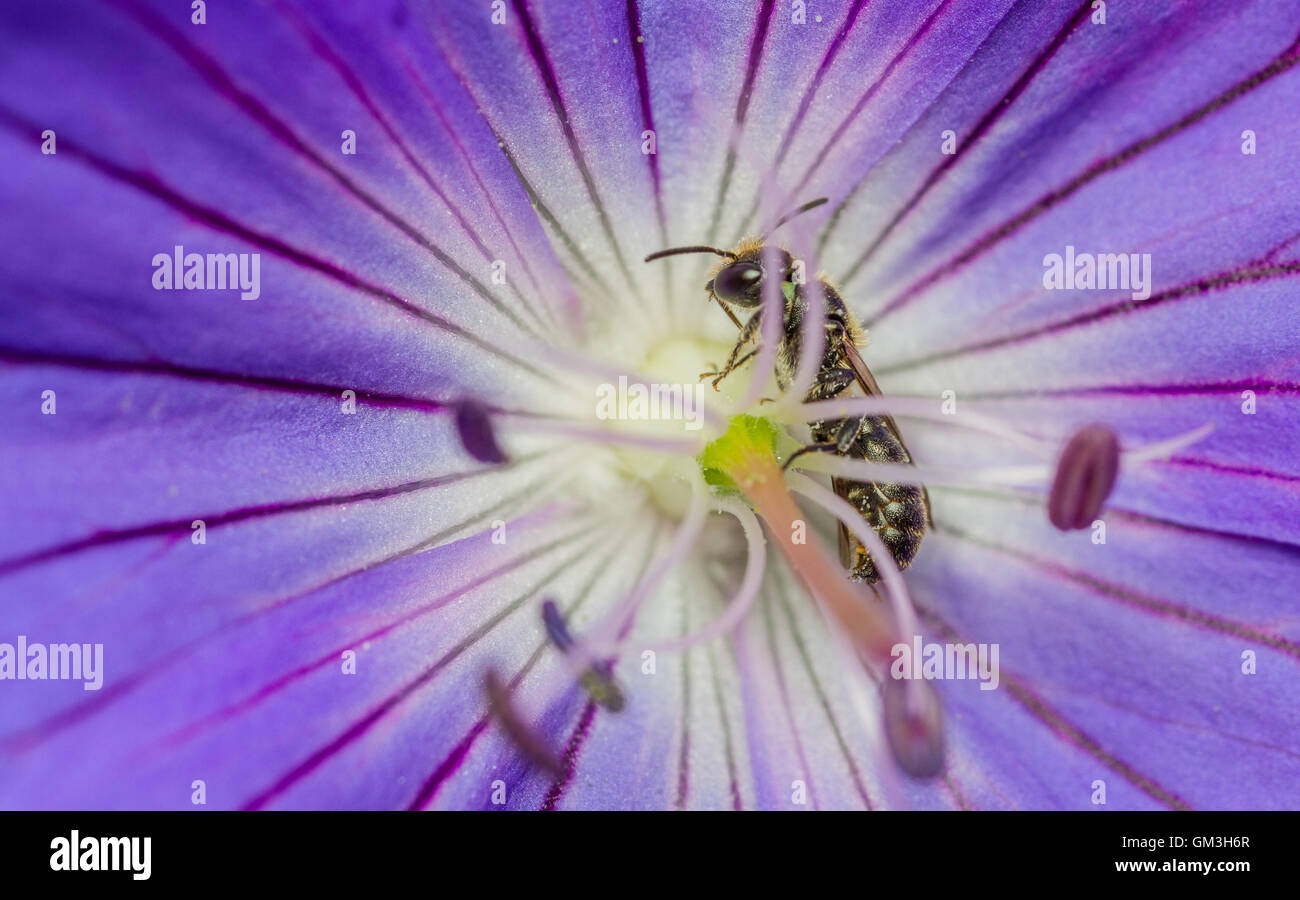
x=830, y=383
x=845, y=435
x=747, y=335
x=835, y=376
x=827, y=447
x=731, y=366
x=848, y=433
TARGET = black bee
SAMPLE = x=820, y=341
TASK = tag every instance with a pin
x=899, y=513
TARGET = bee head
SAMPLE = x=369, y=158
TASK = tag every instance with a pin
x=739, y=283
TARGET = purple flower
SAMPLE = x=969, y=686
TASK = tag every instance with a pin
x=309, y=499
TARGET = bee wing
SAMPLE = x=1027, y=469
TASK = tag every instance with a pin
x=847, y=557
x=865, y=379
x=868, y=383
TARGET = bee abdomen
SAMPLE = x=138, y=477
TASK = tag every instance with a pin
x=899, y=522
x=898, y=513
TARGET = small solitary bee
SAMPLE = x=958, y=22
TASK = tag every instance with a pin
x=899, y=513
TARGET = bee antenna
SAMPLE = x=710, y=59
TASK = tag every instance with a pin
x=699, y=248
x=811, y=204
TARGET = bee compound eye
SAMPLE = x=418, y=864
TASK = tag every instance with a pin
x=737, y=280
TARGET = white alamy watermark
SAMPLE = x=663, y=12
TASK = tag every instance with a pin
x=181, y=271
x=681, y=402
x=949, y=662
x=1073, y=271
x=105, y=854
x=21, y=661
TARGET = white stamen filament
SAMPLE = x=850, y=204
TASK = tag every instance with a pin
x=715, y=421
x=963, y=476
x=890, y=575
x=921, y=408
x=907, y=473
x=812, y=345
x=738, y=607
x=1167, y=447
x=771, y=328
x=605, y=634
x=605, y=434
x=813, y=337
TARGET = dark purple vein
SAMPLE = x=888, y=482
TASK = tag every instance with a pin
x=843, y=202
x=1164, y=609
x=259, y=112
x=468, y=160
x=534, y=197
x=806, y=101
x=382, y=399
x=1285, y=61
x=149, y=184
x=362, y=725
x=765, y=10
x=733, y=781
x=573, y=749
x=230, y=711
x=843, y=127
x=1066, y=729
x=981, y=128
x=215, y=520
x=322, y=48
x=824, y=702
x=783, y=688
x=647, y=111
x=125, y=684
x=541, y=59
x=684, y=748
x=1026, y=498
x=642, y=71
x=1136, y=389
x=569, y=761
x=545, y=213
x=1247, y=274
x=456, y=758
x=1229, y=469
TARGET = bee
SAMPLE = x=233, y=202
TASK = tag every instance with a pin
x=899, y=513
